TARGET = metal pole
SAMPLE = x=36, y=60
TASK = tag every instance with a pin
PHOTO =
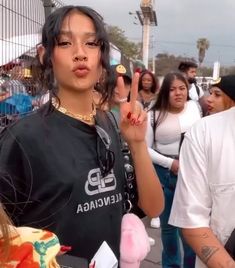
x=146, y=31
x=48, y=5
x=153, y=59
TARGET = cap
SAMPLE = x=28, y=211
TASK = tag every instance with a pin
x=226, y=84
x=120, y=69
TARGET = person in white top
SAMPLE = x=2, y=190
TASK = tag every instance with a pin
x=204, y=201
x=219, y=99
x=196, y=93
x=168, y=120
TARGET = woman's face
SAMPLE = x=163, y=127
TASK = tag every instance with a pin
x=218, y=101
x=76, y=58
x=178, y=95
x=147, y=82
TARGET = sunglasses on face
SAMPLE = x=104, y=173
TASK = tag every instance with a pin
x=106, y=157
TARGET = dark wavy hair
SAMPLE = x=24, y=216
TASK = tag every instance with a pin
x=184, y=66
x=155, y=84
x=162, y=103
x=50, y=34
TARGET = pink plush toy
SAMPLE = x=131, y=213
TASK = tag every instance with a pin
x=134, y=245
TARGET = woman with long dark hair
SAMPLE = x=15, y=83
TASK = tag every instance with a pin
x=148, y=87
x=65, y=160
x=171, y=116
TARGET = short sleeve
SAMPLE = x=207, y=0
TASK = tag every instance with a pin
x=192, y=201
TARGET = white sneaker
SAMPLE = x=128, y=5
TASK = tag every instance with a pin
x=155, y=222
x=151, y=241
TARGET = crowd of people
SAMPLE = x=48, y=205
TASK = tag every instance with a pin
x=63, y=173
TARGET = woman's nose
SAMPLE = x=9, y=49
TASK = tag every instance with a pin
x=177, y=91
x=209, y=99
x=79, y=53
x=79, y=58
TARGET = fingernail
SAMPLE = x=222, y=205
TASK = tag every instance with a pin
x=92, y=265
x=138, y=70
x=65, y=248
x=133, y=121
x=128, y=115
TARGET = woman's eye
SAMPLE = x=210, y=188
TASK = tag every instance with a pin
x=64, y=43
x=92, y=43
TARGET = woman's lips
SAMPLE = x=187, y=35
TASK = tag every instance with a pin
x=81, y=72
x=178, y=99
x=209, y=108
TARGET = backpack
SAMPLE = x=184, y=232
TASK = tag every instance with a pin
x=197, y=89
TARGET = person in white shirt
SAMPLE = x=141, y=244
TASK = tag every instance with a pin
x=204, y=201
x=168, y=120
x=219, y=99
x=196, y=93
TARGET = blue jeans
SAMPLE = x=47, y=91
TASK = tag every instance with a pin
x=170, y=235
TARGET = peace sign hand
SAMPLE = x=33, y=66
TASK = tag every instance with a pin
x=132, y=116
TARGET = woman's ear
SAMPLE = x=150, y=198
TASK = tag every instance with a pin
x=41, y=52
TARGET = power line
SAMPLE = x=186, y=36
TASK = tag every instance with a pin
x=185, y=43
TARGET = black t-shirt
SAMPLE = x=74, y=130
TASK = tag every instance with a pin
x=53, y=180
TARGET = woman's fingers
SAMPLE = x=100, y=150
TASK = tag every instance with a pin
x=142, y=117
x=130, y=112
x=121, y=89
x=134, y=91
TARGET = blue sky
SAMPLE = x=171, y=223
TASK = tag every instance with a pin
x=180, y=24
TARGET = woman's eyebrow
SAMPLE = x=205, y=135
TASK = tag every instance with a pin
x=70, y=33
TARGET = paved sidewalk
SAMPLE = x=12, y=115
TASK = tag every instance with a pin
x=153, y=260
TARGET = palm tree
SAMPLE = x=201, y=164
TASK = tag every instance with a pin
x=202, y=45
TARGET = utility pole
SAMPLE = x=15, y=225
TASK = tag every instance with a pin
x=147, y=18
x=48, y=6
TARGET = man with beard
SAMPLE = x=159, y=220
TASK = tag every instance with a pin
x=189, y=69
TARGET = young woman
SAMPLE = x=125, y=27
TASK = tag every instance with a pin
x=148, y=87
x=65, y=160
x=171, y=116
x=219, y=98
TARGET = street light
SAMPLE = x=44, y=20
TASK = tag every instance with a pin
x=135, y=17
x=48, y=5
x=147, y=17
